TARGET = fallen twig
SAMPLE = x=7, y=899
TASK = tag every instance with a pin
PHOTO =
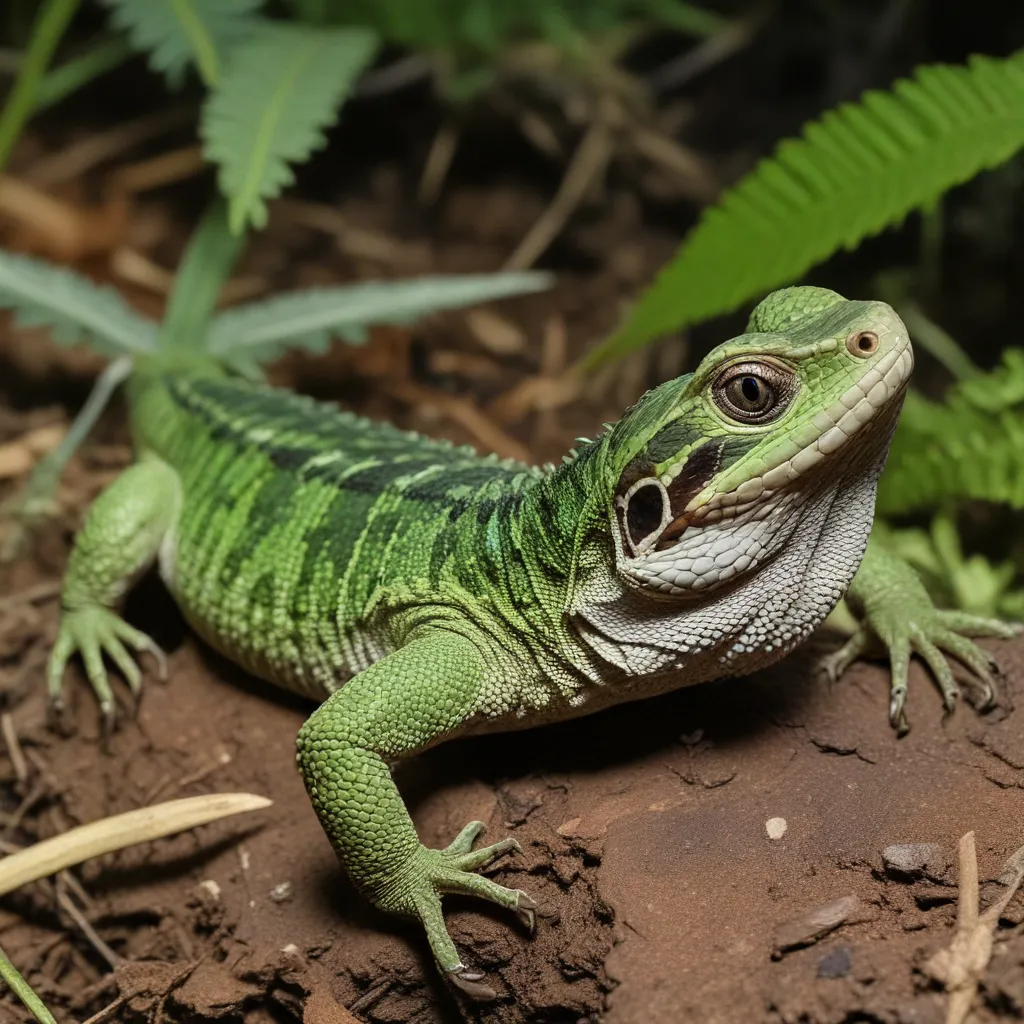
x=13, y=744
x=588, y=162
x=961, y=965
x=67, y=904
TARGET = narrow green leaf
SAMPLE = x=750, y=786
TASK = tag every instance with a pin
x=20, y=987
x=77, y=72
x=176, y=33
x=858, y=169
x=72, y=307
x=281, y=88
x=206, y=265
x=47, y=31
x=310, y=318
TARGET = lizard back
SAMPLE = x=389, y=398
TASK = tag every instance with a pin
x=296, y=517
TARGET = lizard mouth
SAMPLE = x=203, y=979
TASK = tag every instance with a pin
x=877, y=395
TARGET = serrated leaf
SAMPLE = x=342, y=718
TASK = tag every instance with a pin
x=857, y=170
x=280, y=89
x=73, y=308
x=968, y=447
x=310, y=318
x=176, y=33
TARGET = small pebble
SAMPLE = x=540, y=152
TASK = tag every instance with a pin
x=208, y=885
x=282, y=892
x=776, y=827
x=911, y=860
x=836, y=964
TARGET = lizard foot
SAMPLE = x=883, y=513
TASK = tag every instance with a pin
x=430, y=874
x=95, y=631
x=932, y=633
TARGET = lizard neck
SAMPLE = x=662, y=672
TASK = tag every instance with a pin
x=762, y=616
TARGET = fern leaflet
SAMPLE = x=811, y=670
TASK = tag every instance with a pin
x=73, y=308
x=309, y=319
x=177, y=33
x=970, y=447
x=861, y=168
x=280, y=89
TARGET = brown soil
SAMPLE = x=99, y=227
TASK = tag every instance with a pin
x=662, y=898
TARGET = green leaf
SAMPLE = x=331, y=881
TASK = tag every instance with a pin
x=72, y=307
x=20, y=987
x=208, y=262
x=969, y=447
x=280, y=89
x=310, y=318
x=177, y=33
x=859, y=169
x=79, y=71
x=48, y=29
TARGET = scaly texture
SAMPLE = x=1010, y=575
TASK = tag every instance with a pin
x=423, y=591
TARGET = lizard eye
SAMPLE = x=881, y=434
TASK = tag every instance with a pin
x=753, y=392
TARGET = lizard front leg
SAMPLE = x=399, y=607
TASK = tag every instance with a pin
x=412, y=699
x=120, y=539
x=898, y=618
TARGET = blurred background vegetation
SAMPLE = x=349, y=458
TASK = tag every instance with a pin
x=718, y=149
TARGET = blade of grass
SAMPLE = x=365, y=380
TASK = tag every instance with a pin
x=115, y=833
x=20, y=987
x=47, y=32
x=70, y=76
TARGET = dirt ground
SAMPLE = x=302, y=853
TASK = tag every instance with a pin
x=662, y=897
x=669, y=889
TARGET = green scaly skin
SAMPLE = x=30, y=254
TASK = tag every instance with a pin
x=421, y=591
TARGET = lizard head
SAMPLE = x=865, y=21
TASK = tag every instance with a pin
x=712, y=472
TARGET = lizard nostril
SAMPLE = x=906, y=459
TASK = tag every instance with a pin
x=862, y=343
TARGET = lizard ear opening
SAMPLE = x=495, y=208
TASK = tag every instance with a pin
x=646, y=511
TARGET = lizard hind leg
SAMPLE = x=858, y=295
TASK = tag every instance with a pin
x=422, y=693
x=120, y=539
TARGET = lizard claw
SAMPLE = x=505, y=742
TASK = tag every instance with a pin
x=526, y=911
x=470, y=983
x=431, y=874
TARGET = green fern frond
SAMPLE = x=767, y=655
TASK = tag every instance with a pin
x=311, y=318
x=970, y=447
x=861, y=168
x=72, y=307
x=176, y=33
x=280, y=89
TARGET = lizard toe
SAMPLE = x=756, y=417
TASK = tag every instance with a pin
x=471, y=984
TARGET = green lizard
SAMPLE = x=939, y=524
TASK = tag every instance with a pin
x=421, y=591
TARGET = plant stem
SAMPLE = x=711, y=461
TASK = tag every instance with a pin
x=206, y=265
x=20, y=987
x=79, y=71
x=47, y=31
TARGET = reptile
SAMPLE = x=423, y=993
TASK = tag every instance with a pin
x=420, y=591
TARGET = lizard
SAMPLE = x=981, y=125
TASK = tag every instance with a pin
x=420, y=591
